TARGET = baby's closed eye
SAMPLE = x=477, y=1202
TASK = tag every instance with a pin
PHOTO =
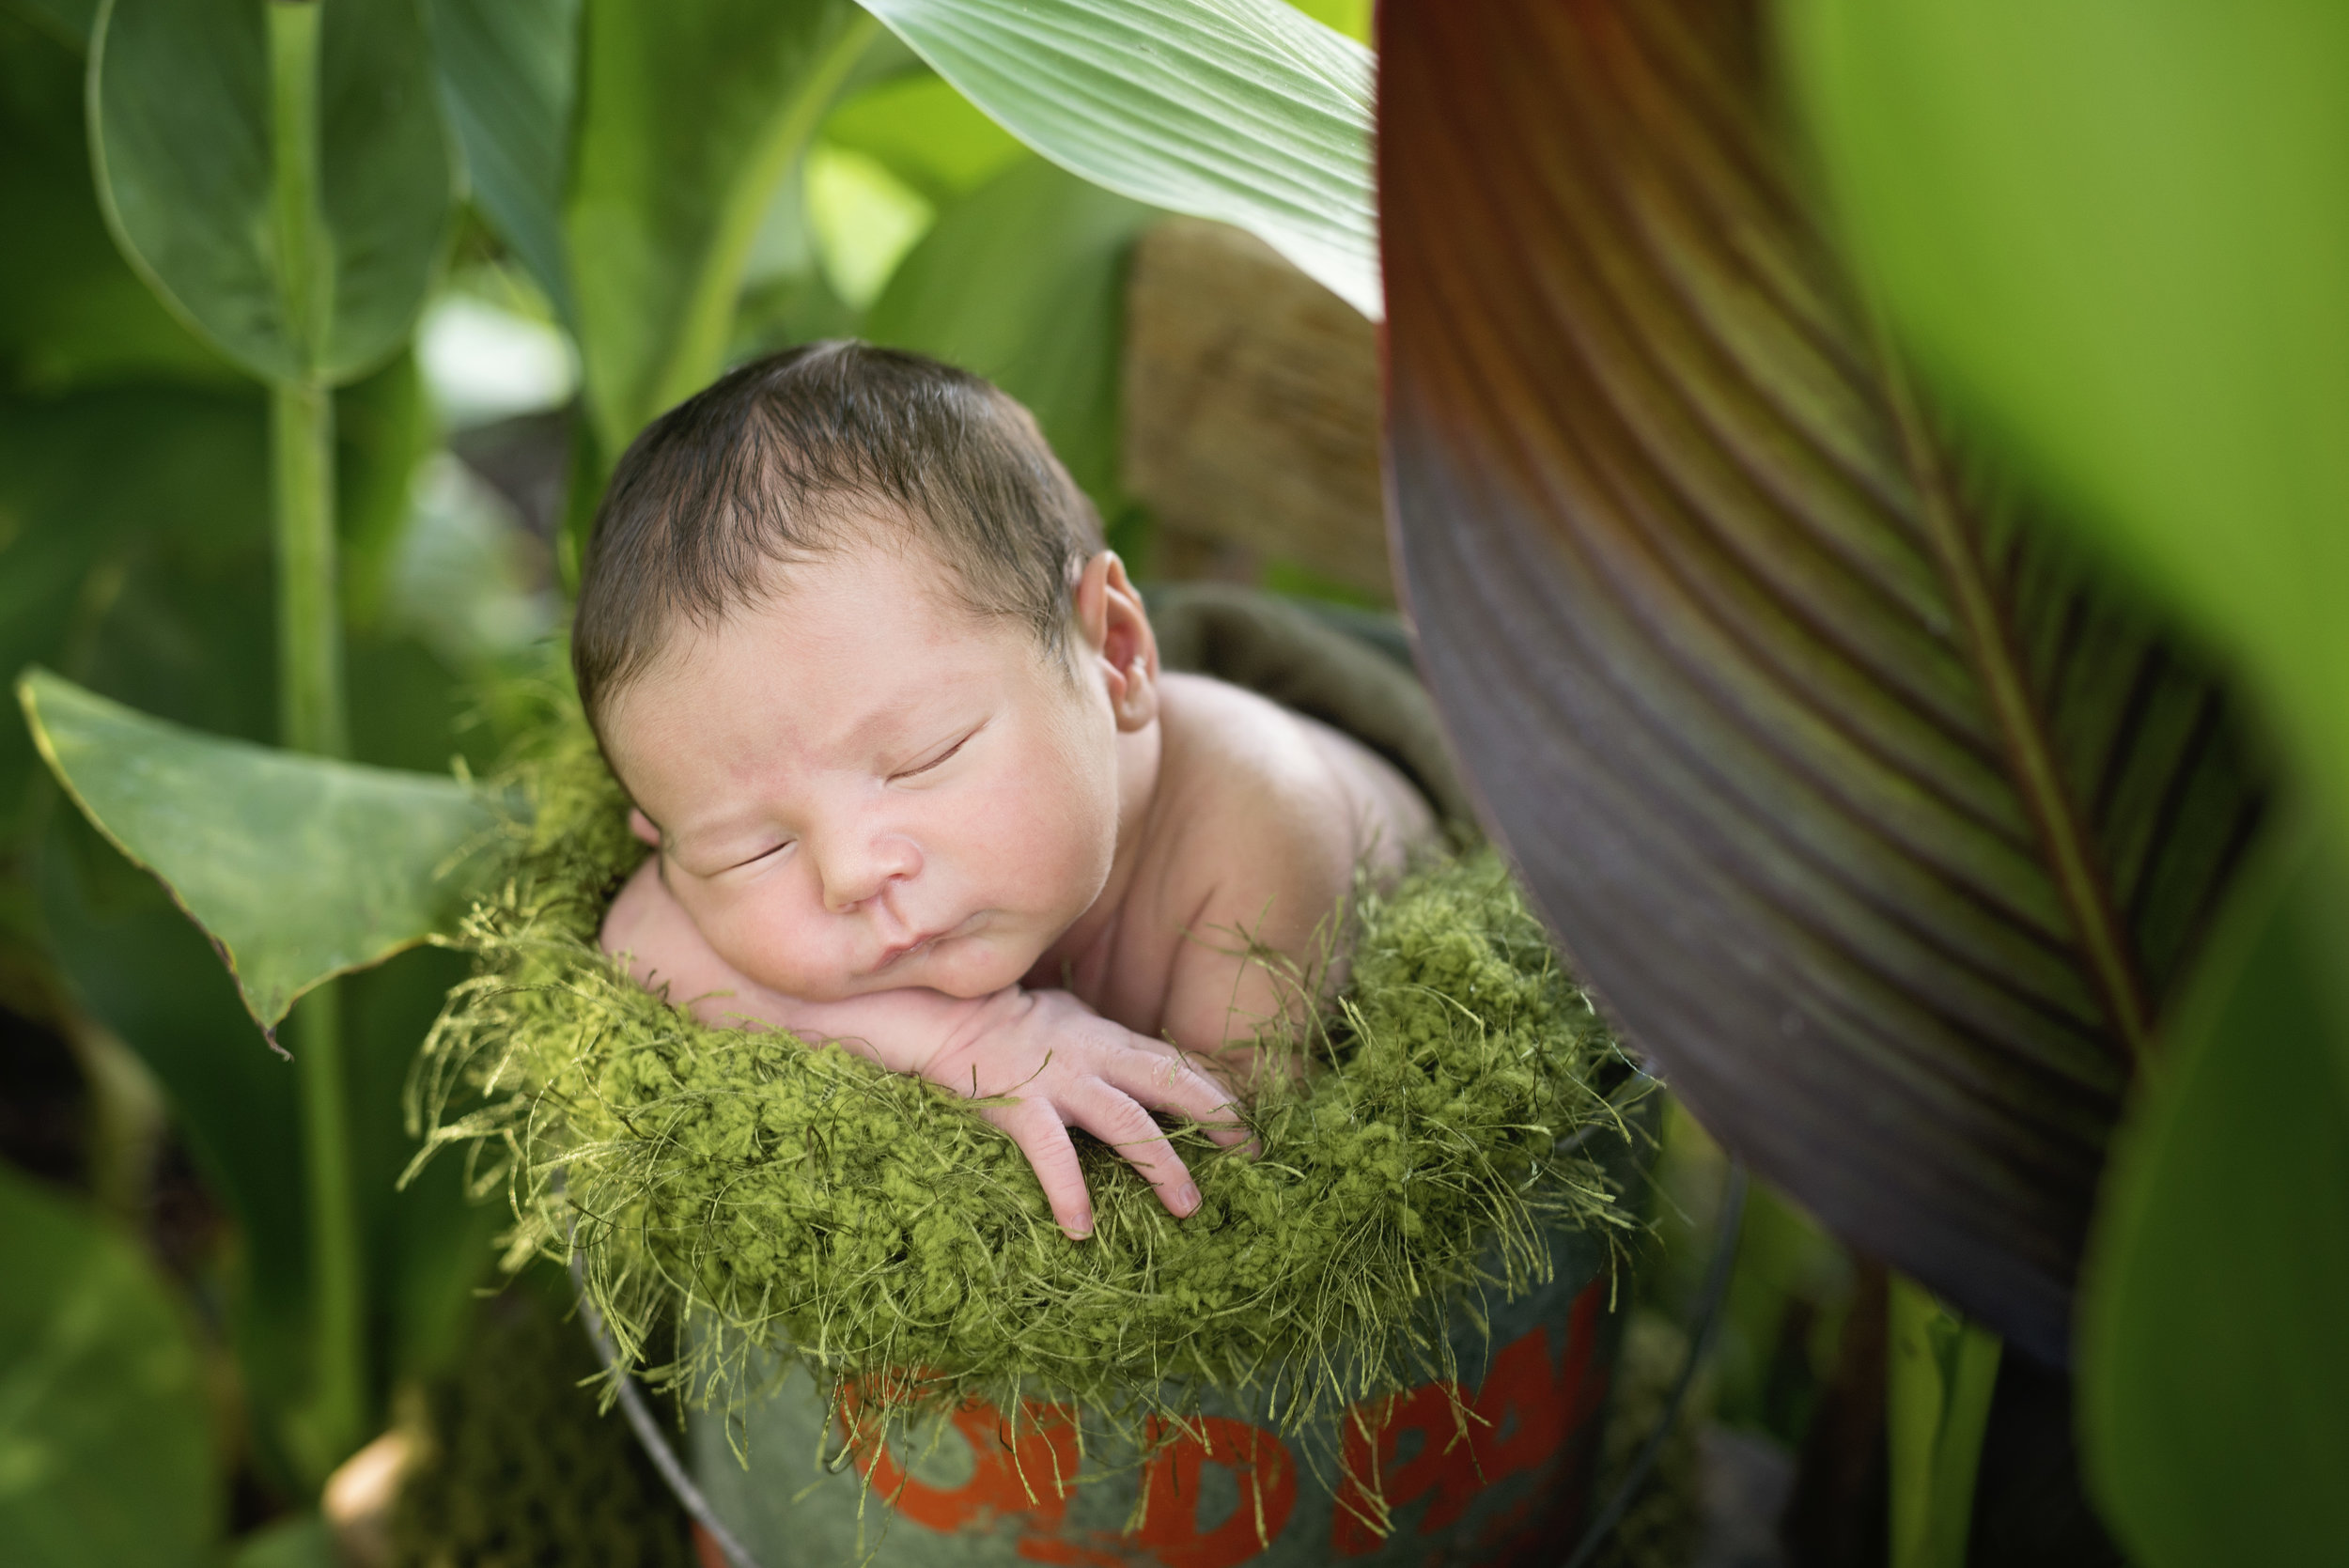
x=767, y=854
x=936, y=759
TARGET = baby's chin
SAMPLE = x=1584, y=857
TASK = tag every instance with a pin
x=973, y=966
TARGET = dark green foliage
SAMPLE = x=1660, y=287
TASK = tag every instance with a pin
x=871, y=1223
x=519, y=1468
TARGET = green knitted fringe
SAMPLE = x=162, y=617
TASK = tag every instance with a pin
x=872, y=1228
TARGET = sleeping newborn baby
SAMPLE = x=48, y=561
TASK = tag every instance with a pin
x=894, y=723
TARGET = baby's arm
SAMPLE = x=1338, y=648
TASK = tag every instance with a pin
x=1259, y=955
x=1060, y=1064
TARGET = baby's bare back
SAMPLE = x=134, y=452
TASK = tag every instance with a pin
x=1260, y=819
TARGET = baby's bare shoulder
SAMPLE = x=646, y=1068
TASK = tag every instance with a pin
x=1264, y=805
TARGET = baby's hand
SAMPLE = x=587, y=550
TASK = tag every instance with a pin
x=1064, y=1065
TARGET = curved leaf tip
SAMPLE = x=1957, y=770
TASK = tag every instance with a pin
x=297, y=868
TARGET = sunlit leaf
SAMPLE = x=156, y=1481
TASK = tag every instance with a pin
x=1022, y=282
x=508, y=69
x=862, y=220
x=2119, y=233
x=691, y=113
x=2215, y=1373
x=105, y=1440
x=1243, y=110
x=181, y=120
x=1876, y=820
x=298, y=868
x=1350, y=17
x=926, y=133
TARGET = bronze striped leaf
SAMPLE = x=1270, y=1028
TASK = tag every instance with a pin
x=1881, y=823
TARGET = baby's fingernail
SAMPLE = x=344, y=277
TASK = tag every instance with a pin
x=1187, y=1200
x=1074, y=1234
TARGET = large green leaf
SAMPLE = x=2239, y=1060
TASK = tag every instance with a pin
x=105, y=1441
x=1886, y=828
x=508, y=69
x=71, y=312
x=2215, y=1372
x=298, y=868
x=180, y=115
x=1243, y=110
x=2119, y=233
x=926, y=133
x=1022, y=281
x=691, y=113
x=95, y=488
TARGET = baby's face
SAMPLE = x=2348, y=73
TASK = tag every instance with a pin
x=859, y=785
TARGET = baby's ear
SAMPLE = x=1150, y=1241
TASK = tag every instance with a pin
x=641, y=825
x=1116, y=632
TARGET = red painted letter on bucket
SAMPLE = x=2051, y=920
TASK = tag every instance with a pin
x=1519, y=1421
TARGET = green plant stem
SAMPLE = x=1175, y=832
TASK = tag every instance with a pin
x=1938, y=1389
x=312, y=716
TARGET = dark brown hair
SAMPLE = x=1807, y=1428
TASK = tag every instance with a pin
x=815, y=448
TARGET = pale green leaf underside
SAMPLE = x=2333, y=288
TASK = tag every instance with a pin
x=1244, y=110
x=298, y=868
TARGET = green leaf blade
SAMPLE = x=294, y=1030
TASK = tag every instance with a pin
x=2214, y=1378
x=298, y=868
x=1244, y=110
x=508, y=74
x=180, y=107
x=106, y=1449
x=690, y=116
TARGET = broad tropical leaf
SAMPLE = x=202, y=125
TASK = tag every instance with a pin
x=1022, y=282
x=691, y=113
x=298, y=868
x=2214, y=1377
x=1242, y=110
x=71, y=311
x=1877, y=824
x=508, y=69
x=182, y=129
x=105, y=1425
x=2118, y=235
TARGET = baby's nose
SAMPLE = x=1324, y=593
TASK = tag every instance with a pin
x=860, y=875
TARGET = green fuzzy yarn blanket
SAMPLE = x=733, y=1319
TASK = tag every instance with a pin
x=873, y=1229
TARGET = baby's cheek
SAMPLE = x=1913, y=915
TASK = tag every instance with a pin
x=772, y=949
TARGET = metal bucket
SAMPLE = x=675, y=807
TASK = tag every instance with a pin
x=1494, y=1471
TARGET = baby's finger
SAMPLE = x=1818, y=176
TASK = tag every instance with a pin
x=1036, y=1126
x=1111, y=1116
x=1173, y=1085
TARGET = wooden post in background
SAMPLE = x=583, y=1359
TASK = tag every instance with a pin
x=1251, y=414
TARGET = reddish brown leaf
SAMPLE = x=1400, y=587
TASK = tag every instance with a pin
x=1877, y=823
